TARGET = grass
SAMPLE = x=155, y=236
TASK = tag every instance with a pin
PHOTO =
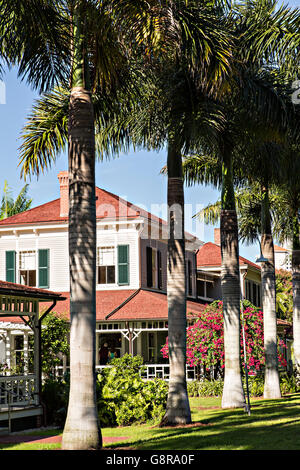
x=273, y=425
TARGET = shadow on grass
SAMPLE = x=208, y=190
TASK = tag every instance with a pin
x=273, y=425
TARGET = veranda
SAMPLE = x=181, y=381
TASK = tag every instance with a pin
x=19, y=312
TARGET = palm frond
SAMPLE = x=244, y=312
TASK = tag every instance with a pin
x=35, y=36
x=45, y=134
x=210, y=214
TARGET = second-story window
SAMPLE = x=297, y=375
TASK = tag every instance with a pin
x=253, y=292
x=27, y=268
x=189, y=278
x=154, y=268
x=106, y=265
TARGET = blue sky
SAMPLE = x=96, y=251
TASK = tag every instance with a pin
x=134, y=176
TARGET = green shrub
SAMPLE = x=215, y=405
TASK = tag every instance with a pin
x=125, y=398
x=288, y=384
x=205, y=388
x=55, y=396
x=214, y=388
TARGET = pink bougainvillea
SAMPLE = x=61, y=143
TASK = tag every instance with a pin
x=205, y=339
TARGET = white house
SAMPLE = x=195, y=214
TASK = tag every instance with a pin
x=283, y=257
x=131, y=300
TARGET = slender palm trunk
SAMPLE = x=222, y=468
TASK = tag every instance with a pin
x=82, y=430
x=178, y=408
x=233, y=393
x=296, y=294
x=272, y=385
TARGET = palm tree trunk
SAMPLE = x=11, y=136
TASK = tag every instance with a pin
x=81, y=431
x=178, y=408
x=296, y=295
x=233, y=393
x=272, y=385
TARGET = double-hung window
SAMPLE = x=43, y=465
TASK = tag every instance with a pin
x=30, y=267
x=154, y=268
x=253, y=292
x=27, y=268
x=106, y=265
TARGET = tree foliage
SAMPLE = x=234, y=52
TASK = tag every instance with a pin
x=54, y=342
x=10, y=206
x=205, y=339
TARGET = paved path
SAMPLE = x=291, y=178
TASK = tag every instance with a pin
x=23, y=438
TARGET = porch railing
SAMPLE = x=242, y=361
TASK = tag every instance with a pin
x=17, y=391
x=152, y=371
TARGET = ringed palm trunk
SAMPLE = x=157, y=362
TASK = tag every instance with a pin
x=178, y=408
x=272, y=385
x=233, y=393
x=81, y=431
x=296, y=295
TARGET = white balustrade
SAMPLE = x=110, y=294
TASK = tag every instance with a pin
x=17, y=391
x=152, y=371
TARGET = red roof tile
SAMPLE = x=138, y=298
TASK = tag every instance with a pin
x=280, y=248
x=21, y=290
x=108, y=205
x=129, y=305
x=210, y=255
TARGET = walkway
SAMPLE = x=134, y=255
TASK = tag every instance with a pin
x=26, y=438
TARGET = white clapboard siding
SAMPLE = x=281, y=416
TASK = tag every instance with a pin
x=57, y=243
x=114, y=238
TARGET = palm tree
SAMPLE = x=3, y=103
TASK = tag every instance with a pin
x=260, y=45
x=188, y=119
x=79, y=45
x=161, y=113
x=257, y=207
x=286, y=225
x=9, y=206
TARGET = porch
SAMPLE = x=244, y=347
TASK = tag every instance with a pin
x=20, y=393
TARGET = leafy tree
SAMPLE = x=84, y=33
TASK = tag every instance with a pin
x=9, y=206
x=284, y=295
x=54, y=342
x=205, y=340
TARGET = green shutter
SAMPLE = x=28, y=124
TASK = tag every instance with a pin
x=10, y=266
x=123, y=264
x=44, y=269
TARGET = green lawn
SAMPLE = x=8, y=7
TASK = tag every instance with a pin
x=273, y=424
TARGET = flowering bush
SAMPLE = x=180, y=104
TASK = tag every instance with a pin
x=205, y=339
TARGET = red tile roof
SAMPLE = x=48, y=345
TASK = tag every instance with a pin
x=11, y=288
x=210, y=255
x=108, y=205
x=129, y=305
x=280, y=248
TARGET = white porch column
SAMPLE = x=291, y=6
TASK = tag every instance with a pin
x=26, y=355
x=37, y=357
x=8, y=350
x=97, y=348
x=139, y=343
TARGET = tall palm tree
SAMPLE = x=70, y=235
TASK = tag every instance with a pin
x=161, y=114
x=263, y=33
x=286, y=225
x=80, y=45
x=255, y=214
x=266, y=33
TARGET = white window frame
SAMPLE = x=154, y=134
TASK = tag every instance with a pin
x=19, y=269
x=114, y=250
